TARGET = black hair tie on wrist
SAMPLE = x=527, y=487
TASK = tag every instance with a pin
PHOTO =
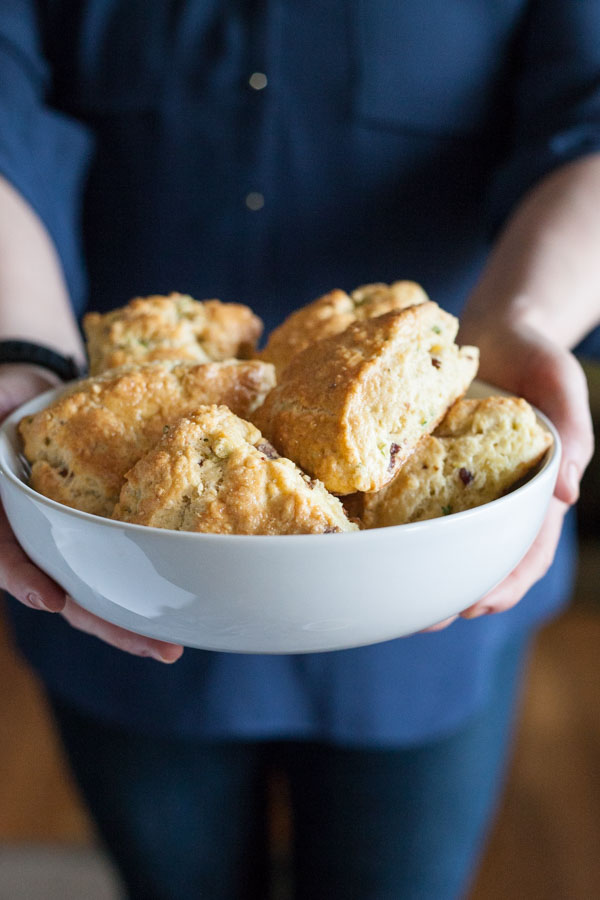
x=37, y=355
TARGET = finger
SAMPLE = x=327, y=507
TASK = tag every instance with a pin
x=532, y=567
x=566, y=402
x=439, y=626
x=136, y=644
x=21, y=578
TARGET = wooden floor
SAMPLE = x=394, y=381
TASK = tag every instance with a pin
x=546, y=844
x=38, y=803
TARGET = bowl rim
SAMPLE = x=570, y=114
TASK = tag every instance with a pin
x=547, y=469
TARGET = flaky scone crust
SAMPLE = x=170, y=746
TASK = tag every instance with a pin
x=81, y=446
x=350, y=409
x=214, y=472
x=480, y=450
x=333, y=313
x=172, y=327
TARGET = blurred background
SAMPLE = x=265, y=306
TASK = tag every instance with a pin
x=545, y=844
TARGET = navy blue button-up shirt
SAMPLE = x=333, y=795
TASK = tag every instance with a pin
x=386, y=139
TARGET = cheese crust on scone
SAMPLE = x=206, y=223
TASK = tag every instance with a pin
x=350, y=409
x=333, y=313
x=174, y=327
x=480, y=450
x=81, y=446
x=214, y=472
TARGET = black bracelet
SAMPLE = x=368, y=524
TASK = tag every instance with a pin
x=25, y=352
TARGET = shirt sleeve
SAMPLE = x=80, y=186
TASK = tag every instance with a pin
x=555, y=103
x=43, y=153
x=555, y=100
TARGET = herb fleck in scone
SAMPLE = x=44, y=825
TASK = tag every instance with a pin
x=173, y=327
x=81, y=446
x=214, y=472
x=350, y=409
x=333, y=313
x=480, y=450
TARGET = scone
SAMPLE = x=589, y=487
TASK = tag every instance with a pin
x=82, y=445
x=350, y=409
x=214, y=472
x=480, y=450
x=173, y=327
x=333, y=313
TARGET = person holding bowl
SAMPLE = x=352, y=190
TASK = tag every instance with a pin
x=264, y=153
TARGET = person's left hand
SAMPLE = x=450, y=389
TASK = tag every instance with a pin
x=520, y=360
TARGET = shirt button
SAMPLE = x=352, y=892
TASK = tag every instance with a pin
x=258, y=81
x=255, y=201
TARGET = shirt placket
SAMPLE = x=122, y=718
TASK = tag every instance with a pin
x=256, y=201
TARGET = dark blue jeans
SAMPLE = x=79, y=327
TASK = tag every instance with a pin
x=185, y=819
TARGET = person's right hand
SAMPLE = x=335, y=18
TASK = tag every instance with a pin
x=28, y=584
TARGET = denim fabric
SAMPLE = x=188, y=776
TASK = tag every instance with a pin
x=184, y=818
x=391, y=140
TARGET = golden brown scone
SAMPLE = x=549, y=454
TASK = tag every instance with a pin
x=214, y=472
x=82, y=445
x=350, y=409
x=173, y=327
x=478, y=452
x=333, y=313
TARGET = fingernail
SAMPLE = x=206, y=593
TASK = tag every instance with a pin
x=477, y=611
x=156, y=654
x=573, y=481
x=439, y=626
x=36, y=601
x=168, y=661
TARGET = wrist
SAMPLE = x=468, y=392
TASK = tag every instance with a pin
x=489, y=326
x=22, y=352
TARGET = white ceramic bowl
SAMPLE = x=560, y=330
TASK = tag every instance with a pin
x=282, y=594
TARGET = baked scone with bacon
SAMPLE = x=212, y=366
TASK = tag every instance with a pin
x=171, y=327
x=480, y=450
x=350, y=409
x=214, y=472
x=82, y=445
x=333, y=313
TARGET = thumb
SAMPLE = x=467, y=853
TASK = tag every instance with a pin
x=566, y=403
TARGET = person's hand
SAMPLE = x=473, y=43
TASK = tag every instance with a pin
x=520, y=360
x=28, y=584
